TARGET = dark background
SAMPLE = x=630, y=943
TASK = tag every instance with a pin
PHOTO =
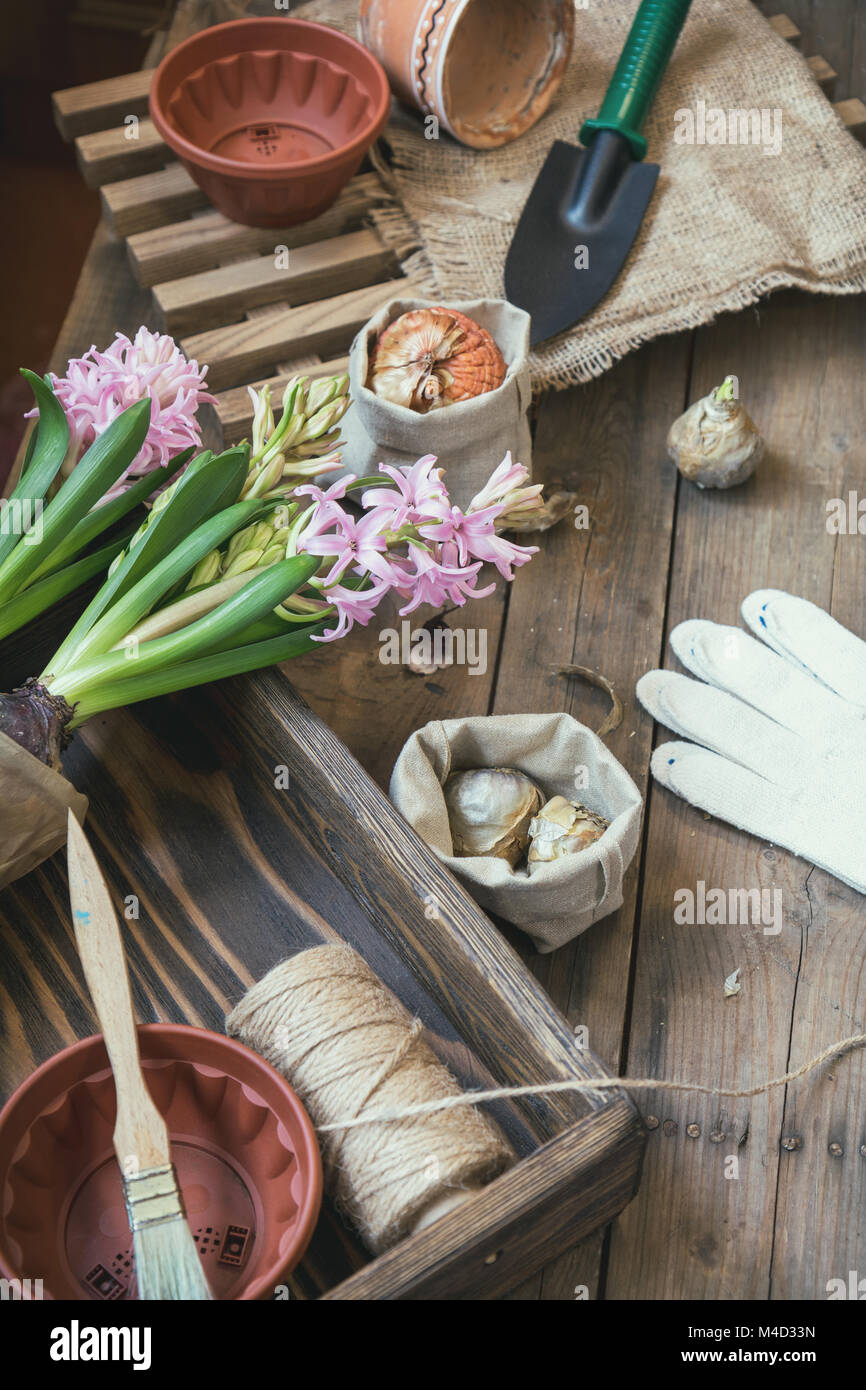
x=48, y=216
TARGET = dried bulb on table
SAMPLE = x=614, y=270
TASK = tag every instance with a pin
x=716, y=443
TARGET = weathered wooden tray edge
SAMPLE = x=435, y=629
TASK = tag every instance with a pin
x=588, y=1168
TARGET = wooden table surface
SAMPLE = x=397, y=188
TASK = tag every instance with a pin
x=753, y=1199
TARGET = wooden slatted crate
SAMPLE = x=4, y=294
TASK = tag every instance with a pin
x=232, y=873
x=224, y=290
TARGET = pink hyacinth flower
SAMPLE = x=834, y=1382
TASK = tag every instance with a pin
x=438, y=579
x=353, y=606
x=359, y=544
x=100, y=385
x=475, y=538
x=419, y=493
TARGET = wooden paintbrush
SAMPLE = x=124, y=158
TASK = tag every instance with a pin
x=166, y=1260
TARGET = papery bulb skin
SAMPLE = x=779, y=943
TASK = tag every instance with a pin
x=563, y=827
x=489, y=811
x=431, y=358
x=716, y=443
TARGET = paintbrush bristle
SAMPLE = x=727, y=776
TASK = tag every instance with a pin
x=167, y=1263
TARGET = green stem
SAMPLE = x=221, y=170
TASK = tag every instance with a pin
x=216, y=666
x=118, y=620
x=188, y=609
x=257, y=599
x=36, y=598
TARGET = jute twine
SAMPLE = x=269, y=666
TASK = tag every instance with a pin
x=348, y=1047
x=608, y=1083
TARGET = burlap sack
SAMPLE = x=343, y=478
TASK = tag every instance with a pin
x=727, y=223
x=470, y=438
x=33, y=806
x=552, y=902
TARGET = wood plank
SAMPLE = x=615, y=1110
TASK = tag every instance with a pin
x=824, y=74
x=244, y=350
x=174, y=249
x=786, y=29
x=596, y=596
x=111, y=154
x=852, y=114
x=725, y=1212
x=820, y=1205
x=98, y=105
x=214, y=297
x=567, y=1178
x=181, y=965
x=393, y=880
x=833, y=30
x=150, y=200
x=235, y=411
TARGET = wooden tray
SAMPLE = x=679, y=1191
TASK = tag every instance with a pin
x=194, y=834
x=218, y=287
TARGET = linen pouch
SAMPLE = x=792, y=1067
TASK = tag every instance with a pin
x=469, y=438
x=33, y=813
x=556, y=901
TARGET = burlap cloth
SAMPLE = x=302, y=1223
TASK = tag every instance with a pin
x=727, y=223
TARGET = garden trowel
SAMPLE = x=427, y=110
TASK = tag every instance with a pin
x=587, y=204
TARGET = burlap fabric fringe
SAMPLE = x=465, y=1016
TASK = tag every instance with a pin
x=728, y=222
x=347, y=1046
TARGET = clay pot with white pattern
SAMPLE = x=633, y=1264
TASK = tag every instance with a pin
x=486, y=69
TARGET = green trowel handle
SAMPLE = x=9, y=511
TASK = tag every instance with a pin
x=641, y=67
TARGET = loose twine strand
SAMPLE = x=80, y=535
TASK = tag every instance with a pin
x=399, y=1137
x=611, y=1083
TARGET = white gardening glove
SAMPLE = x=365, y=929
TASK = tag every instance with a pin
x=781, y=725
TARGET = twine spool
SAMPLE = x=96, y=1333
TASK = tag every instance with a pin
x=347, y=1046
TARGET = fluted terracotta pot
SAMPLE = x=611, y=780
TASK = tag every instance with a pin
x=487, y=69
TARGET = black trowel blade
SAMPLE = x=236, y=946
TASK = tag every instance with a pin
x=562, y=262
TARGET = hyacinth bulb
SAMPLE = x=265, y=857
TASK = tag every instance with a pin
x=489, y=811
x=430, y=358
x=716, y=443
x=563, y=827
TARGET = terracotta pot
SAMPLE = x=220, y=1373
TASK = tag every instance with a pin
x=271, y=117
x=244, y=1148
x=487, y=69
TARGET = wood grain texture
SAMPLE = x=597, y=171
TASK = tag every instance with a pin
x=244, y=350
x=649, y=996
x=97, y=105
x=477, y=1251
x=595, y=595
x=146, y=201
x=193, y=828
x=176, y=248
x=785, y=1222
x=140, y=1134
x=234, y=408
x=330, y=267
x=824, y=74
x=852, y=114
x=114, y=153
